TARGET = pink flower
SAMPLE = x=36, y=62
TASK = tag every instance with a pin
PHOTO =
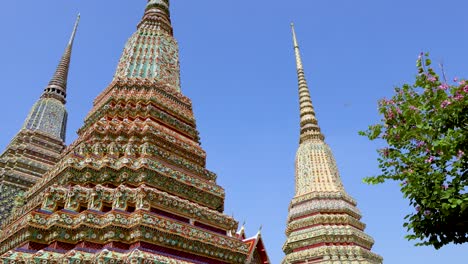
x=462, y=82
x=455, y=79
x=444, y=86
x=460, y=154
x=430, y=159
x=420, y=144
x=458, y=97
x=385, y=102
x=465, y=89
x=431, y=78
x=445, y=104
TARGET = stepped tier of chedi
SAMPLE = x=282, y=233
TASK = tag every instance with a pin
x=323, y=223
x=133, y=188
x=40, y=142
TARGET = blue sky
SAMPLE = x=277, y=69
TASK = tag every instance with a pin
x=238, y=68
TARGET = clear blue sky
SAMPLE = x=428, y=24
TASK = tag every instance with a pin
x=238, y=68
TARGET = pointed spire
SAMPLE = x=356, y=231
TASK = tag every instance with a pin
x=296, y=48
x=157, y=14
x=75, y=28
x=241, y=232
x=309, y=124
x=57, y=87
x=259, y=233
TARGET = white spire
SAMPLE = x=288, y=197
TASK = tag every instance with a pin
x=75, y=28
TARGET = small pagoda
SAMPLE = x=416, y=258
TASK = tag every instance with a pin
x=40, y=142
x=133, y=188
x=324, y=224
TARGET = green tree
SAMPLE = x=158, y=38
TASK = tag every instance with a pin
x=425, y=128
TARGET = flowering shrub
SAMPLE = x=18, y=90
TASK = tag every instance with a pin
x=425, y=126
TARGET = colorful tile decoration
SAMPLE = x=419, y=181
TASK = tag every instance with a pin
x=133, y=188
x=324, y=224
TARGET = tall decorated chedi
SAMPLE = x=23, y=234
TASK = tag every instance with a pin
x=39, y=143
x=133, y=188
x=323, y=223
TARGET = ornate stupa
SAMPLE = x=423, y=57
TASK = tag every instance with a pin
x=323, y=223
x=39, y=143
x=133, y=188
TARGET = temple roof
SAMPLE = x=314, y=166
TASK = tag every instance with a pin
x=257, y=250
